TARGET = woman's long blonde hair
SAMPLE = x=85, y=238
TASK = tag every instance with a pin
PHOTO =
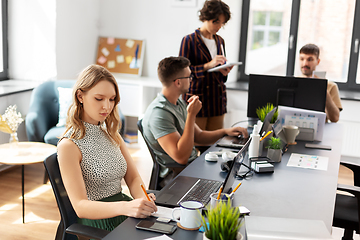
x=87, y=79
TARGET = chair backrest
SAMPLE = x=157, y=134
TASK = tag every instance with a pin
x=68, y=215
x=154, y=180
x=44, y=109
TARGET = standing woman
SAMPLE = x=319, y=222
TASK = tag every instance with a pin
x=93, y=157
x=205, y=49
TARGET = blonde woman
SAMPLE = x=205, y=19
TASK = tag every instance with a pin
x=93, y=157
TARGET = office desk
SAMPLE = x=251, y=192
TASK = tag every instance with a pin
x=289, y=192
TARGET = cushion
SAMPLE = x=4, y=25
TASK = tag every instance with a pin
x=65, y=100
x=53, y=135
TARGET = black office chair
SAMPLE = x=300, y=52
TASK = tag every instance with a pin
x=155, y=178
x=347, y=210
x=68, y=228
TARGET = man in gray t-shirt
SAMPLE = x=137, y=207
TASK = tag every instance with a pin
x=169, y=124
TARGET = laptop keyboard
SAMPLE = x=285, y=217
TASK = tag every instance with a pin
x=201, y=191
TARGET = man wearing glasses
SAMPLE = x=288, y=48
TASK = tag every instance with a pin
x=169, y=123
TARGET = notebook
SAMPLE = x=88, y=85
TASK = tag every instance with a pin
x=177, y=191
x=239, y=142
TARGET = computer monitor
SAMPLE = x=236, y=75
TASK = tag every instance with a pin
x=305, y=93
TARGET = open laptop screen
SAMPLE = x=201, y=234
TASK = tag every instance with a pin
x=234, y=169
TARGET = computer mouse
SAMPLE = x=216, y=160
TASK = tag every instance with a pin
x=211, y=157
x=227, y=156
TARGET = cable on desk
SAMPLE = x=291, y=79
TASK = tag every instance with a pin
x=239, y=122
x=246, y=175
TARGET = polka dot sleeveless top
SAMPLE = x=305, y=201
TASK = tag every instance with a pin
x=102, y=165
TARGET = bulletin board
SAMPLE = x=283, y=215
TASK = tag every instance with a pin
x=121, y=55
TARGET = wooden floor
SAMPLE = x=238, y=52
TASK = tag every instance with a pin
x=41, y=212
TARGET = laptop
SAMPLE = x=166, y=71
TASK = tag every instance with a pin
x=239, y=142
x=183, y=187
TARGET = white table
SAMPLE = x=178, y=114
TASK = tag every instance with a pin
x=24, y=153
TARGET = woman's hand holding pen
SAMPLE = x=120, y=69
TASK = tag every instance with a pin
x=217, y=60
x=140, y=208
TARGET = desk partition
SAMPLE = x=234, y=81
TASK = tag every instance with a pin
x=289, y=192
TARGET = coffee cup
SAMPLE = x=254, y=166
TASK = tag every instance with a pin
x=190, y=214
x=290, y=132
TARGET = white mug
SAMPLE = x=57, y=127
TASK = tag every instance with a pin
x=291, y=132
x=190, y=214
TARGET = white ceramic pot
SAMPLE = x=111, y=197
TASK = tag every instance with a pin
x=238, y=237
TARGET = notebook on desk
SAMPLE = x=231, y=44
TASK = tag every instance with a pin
x=182, y=188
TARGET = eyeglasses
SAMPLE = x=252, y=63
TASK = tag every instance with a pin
x=189, y=77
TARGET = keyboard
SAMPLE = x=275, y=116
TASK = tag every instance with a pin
x=201, y=191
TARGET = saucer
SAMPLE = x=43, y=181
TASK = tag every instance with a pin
x=189, y=229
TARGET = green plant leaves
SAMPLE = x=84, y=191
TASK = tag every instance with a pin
x=274, y=143
x=223, y=221
x=261, y=112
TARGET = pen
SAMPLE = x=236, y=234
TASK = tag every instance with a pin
x=142, y=187
x=267, y=134
x=233, y=191
x=218, y=197
x=222, y=51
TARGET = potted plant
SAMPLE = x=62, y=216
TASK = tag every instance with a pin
x=222, y=222
x=274, y=149
x=261, y=112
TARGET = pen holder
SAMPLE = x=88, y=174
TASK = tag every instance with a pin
x=224, y=197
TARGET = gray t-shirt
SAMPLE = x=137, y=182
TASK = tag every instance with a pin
x=162, y=118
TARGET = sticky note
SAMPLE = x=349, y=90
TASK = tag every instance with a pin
x=105, y=51
x=128, y=59
x=120, y=59
x=111, y=64
x=118, y=49
x=130, y=43
x=102, y=60
x=110, y=40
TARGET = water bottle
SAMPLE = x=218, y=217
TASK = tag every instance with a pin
x=254, y=144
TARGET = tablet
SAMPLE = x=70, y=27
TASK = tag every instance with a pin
x=228, y=64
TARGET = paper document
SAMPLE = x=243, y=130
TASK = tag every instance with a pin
x=163, y=212
x=308, y=161
x=162, y=237
x=228, y=64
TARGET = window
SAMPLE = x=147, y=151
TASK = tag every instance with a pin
x=266, y=29
x=3, y=41
x=269, y=23
x=272, y=33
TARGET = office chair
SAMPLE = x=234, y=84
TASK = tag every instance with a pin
x=347, y=210
x=68, y=228
x=155, y=178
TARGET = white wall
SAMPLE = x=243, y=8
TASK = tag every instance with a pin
x=163, y=26
x=77, y=31
x=58, y=38
x=32, y=39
